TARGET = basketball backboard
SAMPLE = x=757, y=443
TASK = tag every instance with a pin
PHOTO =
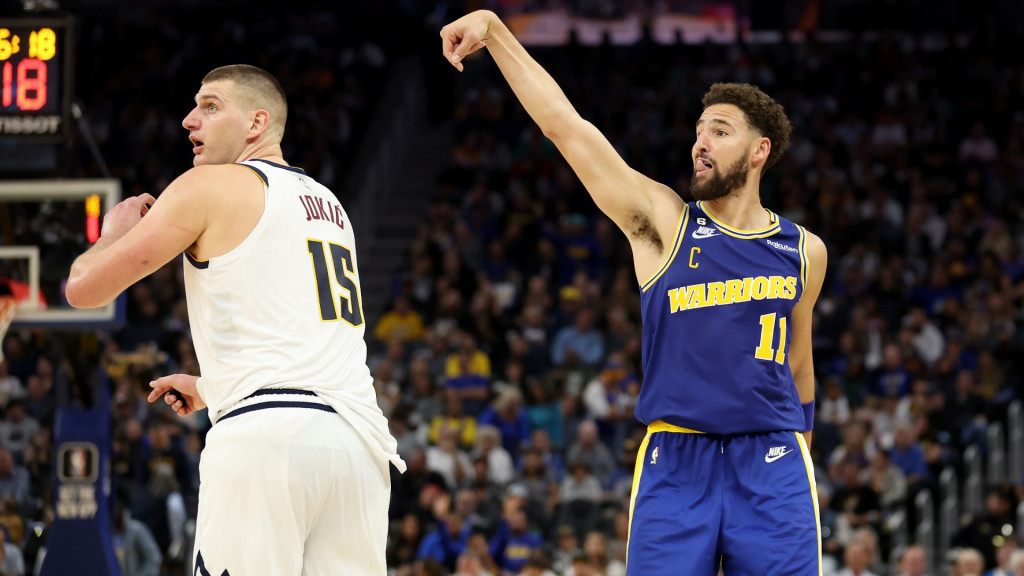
x=44, y=225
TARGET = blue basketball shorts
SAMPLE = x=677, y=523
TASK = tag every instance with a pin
x=746, y=502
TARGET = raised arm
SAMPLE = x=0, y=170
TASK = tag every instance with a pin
x=633, y=201
x=801, y=361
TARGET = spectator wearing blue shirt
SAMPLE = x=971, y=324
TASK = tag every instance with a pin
x=513, y=544
x=578, y=344
x=908, y=456
x=506, y=413
x=448, y=541
x=894, y=379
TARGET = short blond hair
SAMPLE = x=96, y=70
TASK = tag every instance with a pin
x=259, y=88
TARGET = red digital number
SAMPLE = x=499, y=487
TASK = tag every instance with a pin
x=5, y=100
x=27, y=84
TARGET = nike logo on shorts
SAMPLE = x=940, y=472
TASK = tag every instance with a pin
x=775, y=452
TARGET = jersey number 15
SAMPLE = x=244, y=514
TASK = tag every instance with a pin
x=341, y=261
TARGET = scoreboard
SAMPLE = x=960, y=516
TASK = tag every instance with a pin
x=36, y=76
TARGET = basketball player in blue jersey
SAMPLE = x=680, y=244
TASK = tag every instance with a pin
x=294, y=477
x=723, y=477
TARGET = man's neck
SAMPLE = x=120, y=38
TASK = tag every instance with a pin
x=740, y=209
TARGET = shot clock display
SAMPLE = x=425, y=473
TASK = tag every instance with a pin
x=35, y=78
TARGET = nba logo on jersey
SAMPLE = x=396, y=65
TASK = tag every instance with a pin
x=654, y=454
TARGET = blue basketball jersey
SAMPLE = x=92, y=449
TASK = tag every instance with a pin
x=716, y=327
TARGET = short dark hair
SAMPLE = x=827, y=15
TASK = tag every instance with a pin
x=764, y=114
x=259, y=86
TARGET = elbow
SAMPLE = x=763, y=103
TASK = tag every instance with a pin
x=78, y=296
x=560, y=122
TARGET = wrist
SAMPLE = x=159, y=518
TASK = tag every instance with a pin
x=808, y=409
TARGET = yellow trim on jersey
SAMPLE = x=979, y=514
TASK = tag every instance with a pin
x=662, y=426
x=809, y=466
x=196, y=261
x=680, y=230
x=256, y=172
x=772, y=228
x=802, y=246
x=638, y=469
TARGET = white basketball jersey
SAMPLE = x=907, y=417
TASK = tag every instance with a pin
x=283, y=310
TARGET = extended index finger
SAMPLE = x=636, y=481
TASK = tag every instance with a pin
x=157, y=392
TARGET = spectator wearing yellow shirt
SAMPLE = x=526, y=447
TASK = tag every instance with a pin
x=468, y=374
x=400, y=324
x=454, y=418
x=468, y=360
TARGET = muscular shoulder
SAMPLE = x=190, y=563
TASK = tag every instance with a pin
x=817, y=253
x=213, y=177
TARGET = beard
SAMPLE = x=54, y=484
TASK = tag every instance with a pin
x=721, y=184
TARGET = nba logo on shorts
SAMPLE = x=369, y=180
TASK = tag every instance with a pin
x=654, y=454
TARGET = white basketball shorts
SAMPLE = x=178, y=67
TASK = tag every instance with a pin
x=288, y=488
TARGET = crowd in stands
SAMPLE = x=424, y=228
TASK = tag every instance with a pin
x=508, y=361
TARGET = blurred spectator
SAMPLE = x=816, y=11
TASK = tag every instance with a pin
x=17, y=429
x=1005, y=554
x=913, y=562
x=454, y=418
x=468, y=373
x=858, y=505
x=1017, y=562
x=579, y=344
x=404, y=542
x=978, y=146
x=589, y=450
x=566, y=548
x=997, y=519
x=13, y=562
x=610, y=400
x=399, y=324
x=500, y=467
x=448, y=460
x=908, y=455
x=595, y=547
x=969, y=562
x=543, y=411
x=514, y=543
x=856, y=559
x=10, y=385
x=11, y=521
x=834, y=407
x=887, y=481
x=14, y=481
x=136, y=550
x=549, y=456
x=507, y=414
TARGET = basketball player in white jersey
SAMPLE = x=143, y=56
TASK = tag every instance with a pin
x=294, y=477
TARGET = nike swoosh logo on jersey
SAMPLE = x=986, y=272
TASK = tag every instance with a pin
x=704, y=232
x=776, y=453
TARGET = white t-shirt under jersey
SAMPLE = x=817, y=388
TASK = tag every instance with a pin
x=282, y=310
